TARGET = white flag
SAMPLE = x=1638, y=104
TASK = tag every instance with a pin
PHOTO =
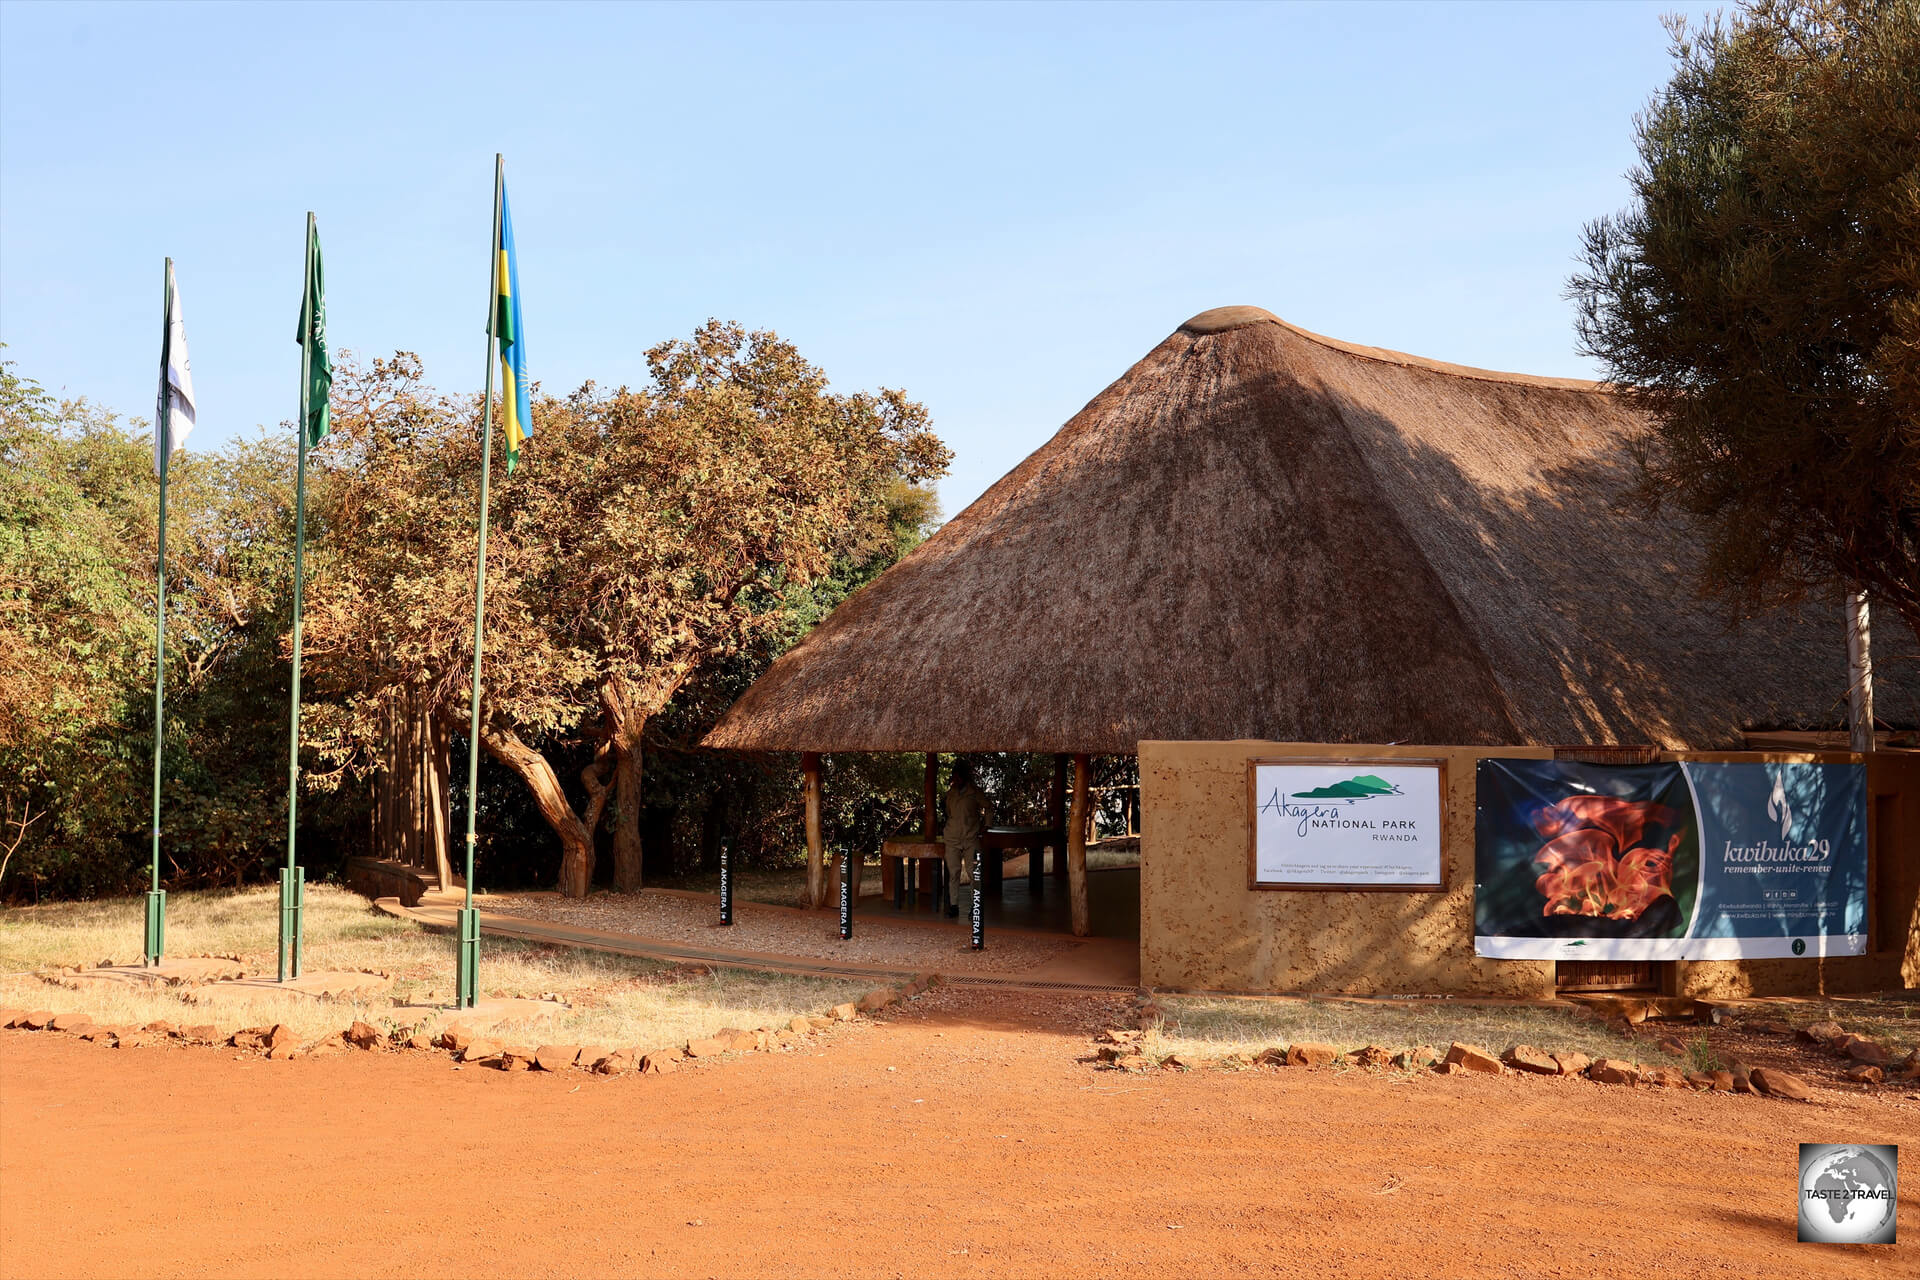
x=173, y=414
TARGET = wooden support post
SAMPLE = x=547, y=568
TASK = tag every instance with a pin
x=816, y=844
x=933, y=811
x=1077, y=847
x=1057, y=815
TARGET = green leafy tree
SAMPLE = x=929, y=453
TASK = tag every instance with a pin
x=1761, y=296
x=646, y=534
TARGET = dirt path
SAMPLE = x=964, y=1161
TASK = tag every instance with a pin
x=959, y=1139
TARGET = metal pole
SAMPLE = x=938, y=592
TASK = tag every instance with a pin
x=292, y=891
x=156, y=933
x=469, y=976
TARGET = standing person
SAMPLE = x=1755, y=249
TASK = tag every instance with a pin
x=967, y=816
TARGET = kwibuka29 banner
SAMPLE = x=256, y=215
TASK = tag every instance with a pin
x=1669, y=861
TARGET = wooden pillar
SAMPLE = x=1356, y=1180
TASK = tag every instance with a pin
x=933, y=810
x=1077, y=847
x=1057, y=815
x=816, y=844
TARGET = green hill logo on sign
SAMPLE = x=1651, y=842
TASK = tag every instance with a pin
x=1363, y=787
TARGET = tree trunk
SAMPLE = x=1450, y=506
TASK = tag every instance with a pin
x=627, y=847
x=816, y=846
x=1077, y=847
x=576, y=838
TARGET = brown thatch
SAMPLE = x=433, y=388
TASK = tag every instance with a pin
x=1262, y=533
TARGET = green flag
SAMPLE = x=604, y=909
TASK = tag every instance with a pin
x=313, y=336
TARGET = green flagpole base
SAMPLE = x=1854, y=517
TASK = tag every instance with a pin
x=468, y=993
x=293, y=909
x=156, y=925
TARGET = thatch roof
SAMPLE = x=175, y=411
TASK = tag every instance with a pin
x=1262, y=533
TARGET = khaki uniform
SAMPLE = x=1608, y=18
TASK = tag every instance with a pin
x=967, y=817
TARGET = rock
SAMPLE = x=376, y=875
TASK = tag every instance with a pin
x=159, y=1028
x=70, y=1022
x=97, y=1033
x=11, y=1017
x=205, y=1033
x=1909, y=1068
x=1711, y=1014
x=1235, y=1062
x=619, y=1062
x=658, y=1064
x=281, y=1052
x=478, y=1050
x=1449, y=1068
x=418, y=1041
x=1571, y=1064
x=1178, y=1062
x=799, y=1026
x=1523, y=1057
x=1868, y=1051
x=1118, y=1035
x=711, y=1047
x=1472, y=1058
x=1371, y=1055
x=1309, y=1055
x=785, y=1039
x=842, y=1012
x=516, y=1057
x=1865, y=1073
x=1132, y=1062
x=878, y=999
x=1700, y=1079
x=1770, y=1028
x=281, y=1037
x=1720, y=1081
x=132, y=1040
x=1673, y=1047
x=556, y=1057
x=251, y=1038
x=1614, y=1071
x=326, y=1047
x=1418, y=1058
x=1664, y=1077
x=1742, y=1080
x=1110, y=1052
x=1265, y=1058
x=1822, y=1033
x=37, y=1020
x=456, y=1036
x=362, y=1035
x=1780, y=1084
x=819, y=1023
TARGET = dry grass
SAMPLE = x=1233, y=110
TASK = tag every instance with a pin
x=608, y=999
x=1209, y=1028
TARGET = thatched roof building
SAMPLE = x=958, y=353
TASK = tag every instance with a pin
x=1258, y=532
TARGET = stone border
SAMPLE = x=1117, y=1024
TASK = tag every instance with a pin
x=279, y=1042
x=1120, y=1049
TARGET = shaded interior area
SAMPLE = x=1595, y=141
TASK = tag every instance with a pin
x=1113, y=905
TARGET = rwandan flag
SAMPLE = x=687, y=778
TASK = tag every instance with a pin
x=505, y=325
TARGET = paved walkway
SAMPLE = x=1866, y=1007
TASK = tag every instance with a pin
x=1090, y=964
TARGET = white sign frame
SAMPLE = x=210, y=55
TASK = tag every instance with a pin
x=1428, y=870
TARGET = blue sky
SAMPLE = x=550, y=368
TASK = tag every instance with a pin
x=996, y=207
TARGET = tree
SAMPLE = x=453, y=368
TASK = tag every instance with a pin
x=1761, y=297
x=645, y=534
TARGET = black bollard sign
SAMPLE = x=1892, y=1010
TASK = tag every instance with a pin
x=726, y=883
x=979, y=925
x=846, y=895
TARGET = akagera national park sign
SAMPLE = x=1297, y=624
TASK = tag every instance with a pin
x=1352, y=824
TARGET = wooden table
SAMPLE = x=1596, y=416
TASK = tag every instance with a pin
x=1000, y=841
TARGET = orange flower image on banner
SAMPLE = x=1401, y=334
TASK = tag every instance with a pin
x=1595, y=861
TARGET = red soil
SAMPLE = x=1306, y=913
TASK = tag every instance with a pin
x=959, y=1137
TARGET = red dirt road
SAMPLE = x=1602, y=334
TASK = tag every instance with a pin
x=960, y=1138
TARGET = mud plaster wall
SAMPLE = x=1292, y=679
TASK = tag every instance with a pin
x=1202, y=928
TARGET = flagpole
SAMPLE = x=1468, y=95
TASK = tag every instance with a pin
x=469, y=971
x=156, y=934
x=292, y=889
